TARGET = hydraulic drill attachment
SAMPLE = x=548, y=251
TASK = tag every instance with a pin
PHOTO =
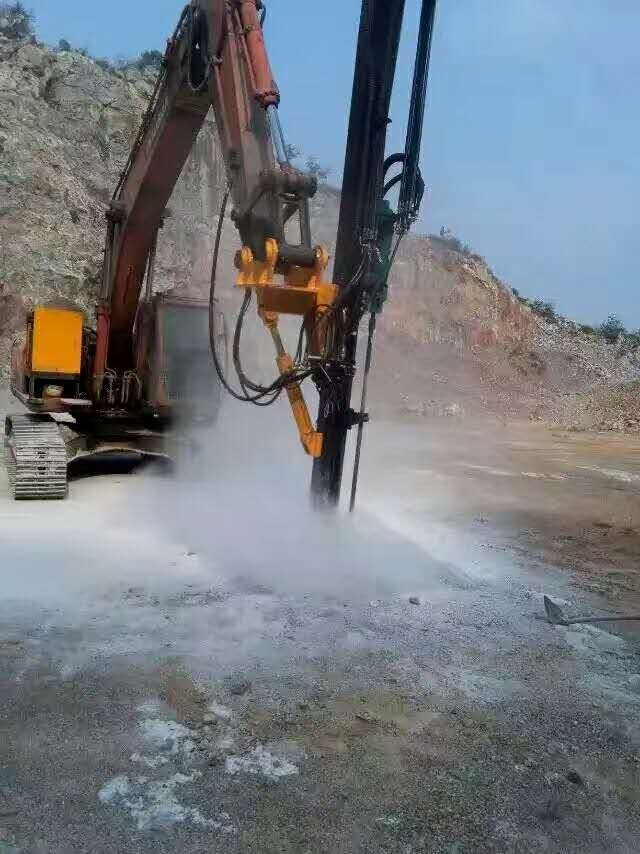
x=303, y=292
x=369, y=231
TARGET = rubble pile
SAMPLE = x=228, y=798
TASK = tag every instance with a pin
x=587, y=355
x=616, y=409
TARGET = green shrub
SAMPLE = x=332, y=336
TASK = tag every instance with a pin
x=453, y=243
x=449, y=241
x=612, y=329
x=64, y=46
x=544, y=309
x=293, y=152
x=315, y=168
x=632, y=339
x=15, y=21
x=150, y=59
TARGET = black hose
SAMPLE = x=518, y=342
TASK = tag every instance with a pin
x=245, y=382
x=412, y=187
x=281, y=382
x=277, y=387
x=212, y=304
x=200, y=63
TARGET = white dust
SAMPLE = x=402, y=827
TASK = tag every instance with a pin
x=262, y=762
x=154, y=805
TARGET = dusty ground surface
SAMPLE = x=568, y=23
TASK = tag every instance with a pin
x=197, y=663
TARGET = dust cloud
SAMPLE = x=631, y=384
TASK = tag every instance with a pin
x=234, y=513
x=239, y=499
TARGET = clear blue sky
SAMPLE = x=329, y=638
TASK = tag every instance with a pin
x=532, y=137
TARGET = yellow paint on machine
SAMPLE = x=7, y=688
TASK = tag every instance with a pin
x=57, y=341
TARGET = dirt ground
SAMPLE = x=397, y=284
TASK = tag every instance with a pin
x=196, y=662
x=567, y=497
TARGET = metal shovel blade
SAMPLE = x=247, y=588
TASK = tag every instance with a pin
x=555, y=615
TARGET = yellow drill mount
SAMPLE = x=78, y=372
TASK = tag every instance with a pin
x=303, y=292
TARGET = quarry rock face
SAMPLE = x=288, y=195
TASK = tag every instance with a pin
x=67, y=125
x=439, y=296
x=66, y=129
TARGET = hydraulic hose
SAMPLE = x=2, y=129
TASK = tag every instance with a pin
x=275, y=389
x=212, y=303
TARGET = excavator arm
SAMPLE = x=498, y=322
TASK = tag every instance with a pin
x=215, y=59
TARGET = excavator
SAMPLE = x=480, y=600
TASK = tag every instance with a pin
x=124, y=381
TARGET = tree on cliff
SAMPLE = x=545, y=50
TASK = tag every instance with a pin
x=312, y=164
x=612, y=329
x=150, y=59
x=16, y=22
x=315, y=168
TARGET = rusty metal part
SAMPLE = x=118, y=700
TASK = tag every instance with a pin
x=266, y=90
x=291, y=189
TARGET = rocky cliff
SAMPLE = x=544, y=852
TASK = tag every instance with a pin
x=66, y=127
x=453, y=337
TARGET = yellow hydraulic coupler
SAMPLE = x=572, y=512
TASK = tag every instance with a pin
x=304, y=293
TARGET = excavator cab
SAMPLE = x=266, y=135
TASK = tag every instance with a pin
x=180, y=383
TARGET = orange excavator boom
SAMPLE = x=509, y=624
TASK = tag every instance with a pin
x=216, y=59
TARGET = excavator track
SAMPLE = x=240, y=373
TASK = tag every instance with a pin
x=36, y=457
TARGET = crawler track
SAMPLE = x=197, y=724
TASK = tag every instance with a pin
x=36, y=457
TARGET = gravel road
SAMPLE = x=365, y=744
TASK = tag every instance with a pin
x=196, y=662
